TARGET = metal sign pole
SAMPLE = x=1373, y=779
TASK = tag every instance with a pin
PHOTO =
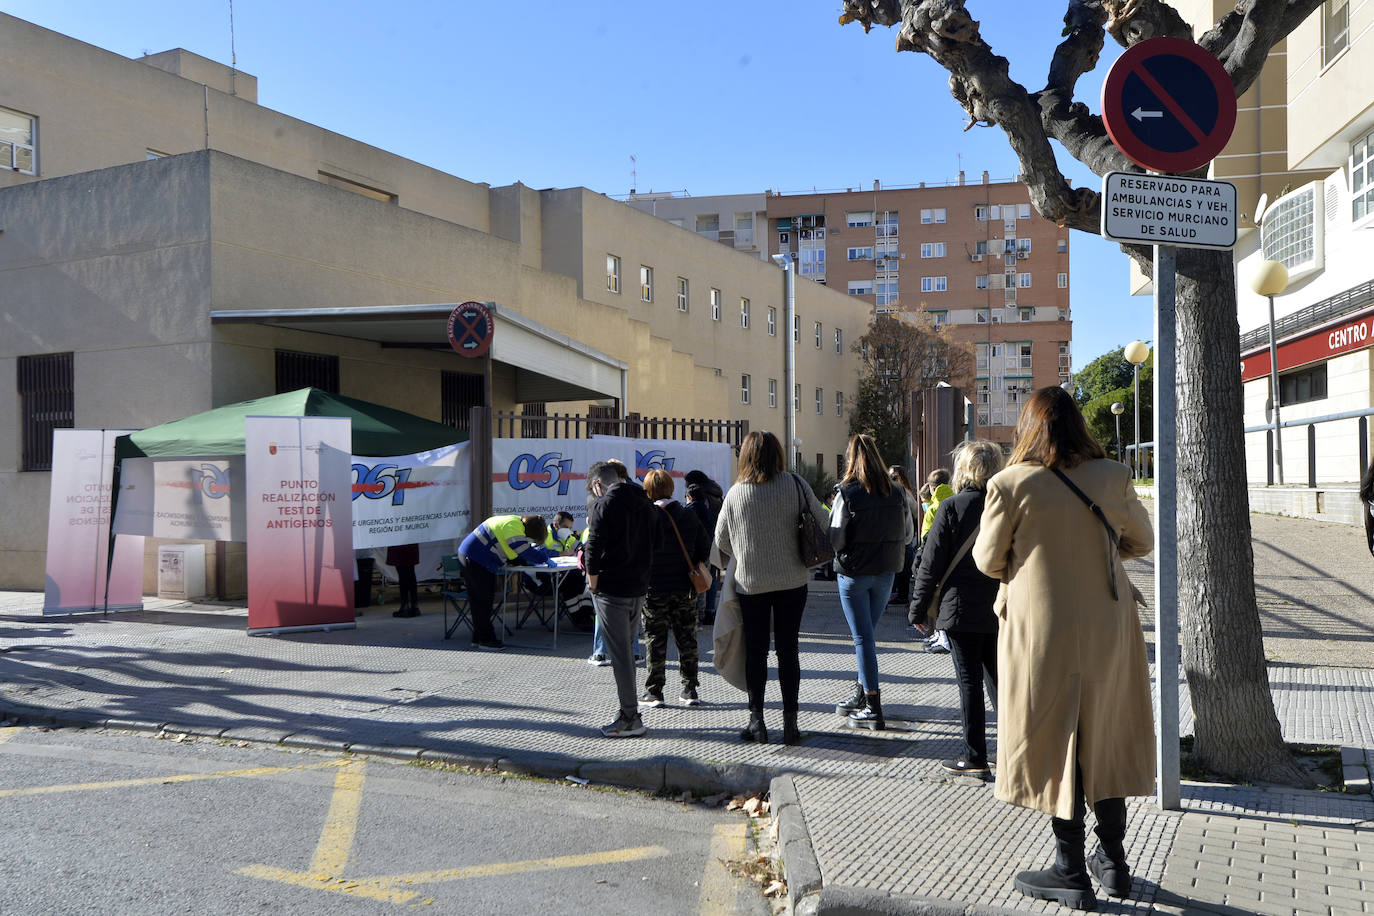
x=1166, y=531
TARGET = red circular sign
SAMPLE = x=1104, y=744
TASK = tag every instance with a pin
x=1169, y=105
x=470, y=328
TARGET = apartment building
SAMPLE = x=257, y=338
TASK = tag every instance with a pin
x=1305, y=140
x=974, y=257
x=170, y=246
x=734, y=220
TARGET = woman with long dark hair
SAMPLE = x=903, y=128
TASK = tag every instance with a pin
x=870, y=526
x=757, y=526
x=901, y=586
x=1074, y=718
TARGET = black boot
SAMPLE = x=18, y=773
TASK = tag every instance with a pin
x=871, y=715
x=790, y=733
x=1066, y=881
x=855, y=702
x=1108, y=861
x=755, y=730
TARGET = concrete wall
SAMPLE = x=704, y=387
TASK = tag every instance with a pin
x=1329, y=103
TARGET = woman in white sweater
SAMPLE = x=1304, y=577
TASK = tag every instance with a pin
x=758, y=527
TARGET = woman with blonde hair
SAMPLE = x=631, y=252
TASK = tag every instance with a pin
x=965, y=609
x=870, y=526
x=1074, y=718
x=757, y=526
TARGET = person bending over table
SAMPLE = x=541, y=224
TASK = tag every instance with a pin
x=502, y=540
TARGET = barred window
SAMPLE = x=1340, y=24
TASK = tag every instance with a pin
x=297, y=370
x=47, y=399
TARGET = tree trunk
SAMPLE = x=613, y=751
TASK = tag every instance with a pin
x=1236, y=731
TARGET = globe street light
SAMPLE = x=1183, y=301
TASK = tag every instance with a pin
x=1268, y=279
x=1117, y=410
x=1136, y=352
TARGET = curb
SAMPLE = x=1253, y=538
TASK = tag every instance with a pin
x=807, y=894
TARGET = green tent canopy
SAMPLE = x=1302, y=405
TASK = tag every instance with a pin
x=377, y=430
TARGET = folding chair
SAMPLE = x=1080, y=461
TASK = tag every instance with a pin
x=531, y=600
x=455, y=595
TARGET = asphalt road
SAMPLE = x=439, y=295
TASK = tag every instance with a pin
x=107, y=822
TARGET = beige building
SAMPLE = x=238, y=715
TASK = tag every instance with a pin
x=734, y=220
x=975, y=257
x=169, y=246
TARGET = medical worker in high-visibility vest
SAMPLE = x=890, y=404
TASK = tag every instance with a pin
x=502, y=540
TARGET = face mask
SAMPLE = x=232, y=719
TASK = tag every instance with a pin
x=564, y=533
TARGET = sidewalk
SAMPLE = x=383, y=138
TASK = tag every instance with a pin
x=867, y=820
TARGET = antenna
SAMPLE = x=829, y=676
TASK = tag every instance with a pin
x=634, y=173
x=233, y=54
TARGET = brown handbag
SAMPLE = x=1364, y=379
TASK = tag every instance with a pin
x=698, y=573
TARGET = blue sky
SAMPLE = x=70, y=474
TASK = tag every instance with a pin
x=706, y=99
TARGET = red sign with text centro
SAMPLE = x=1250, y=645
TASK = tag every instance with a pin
x=470, y=328
x=1347, y=337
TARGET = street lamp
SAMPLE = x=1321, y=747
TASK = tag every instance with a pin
x=1268, y=279
x=1118, y=409
x=1136, y=353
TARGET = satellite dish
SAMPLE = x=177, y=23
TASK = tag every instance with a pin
x=1260, y=206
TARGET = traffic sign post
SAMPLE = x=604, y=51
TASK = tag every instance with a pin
x=1170, y=106
x=470, y=328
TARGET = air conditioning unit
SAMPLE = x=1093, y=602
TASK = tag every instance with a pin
x=880, y=264
x=1022, y=255
x=819, y=233
x=975, y=257
x=996, y=319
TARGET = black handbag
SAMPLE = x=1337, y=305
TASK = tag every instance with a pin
x=813, y=538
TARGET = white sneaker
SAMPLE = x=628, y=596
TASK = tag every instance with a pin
x=599, y=661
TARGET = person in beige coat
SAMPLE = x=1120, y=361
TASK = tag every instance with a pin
x=1074, y=715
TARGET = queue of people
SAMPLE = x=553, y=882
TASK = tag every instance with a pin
x=1019, y=568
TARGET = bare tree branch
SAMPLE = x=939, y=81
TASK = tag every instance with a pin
x=1244, y=37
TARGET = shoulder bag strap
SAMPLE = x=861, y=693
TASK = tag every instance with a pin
x=685, y=555
x=959, y=555
x=1113, y=539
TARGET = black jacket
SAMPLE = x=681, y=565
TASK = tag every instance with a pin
x=966, y=602
x=868, y=531
x=668, y=572
x=620, y=540
x=706, y=499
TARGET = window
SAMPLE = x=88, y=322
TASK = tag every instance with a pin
x=772, y=322
x=1023, y=245
x=744, y=229
x=1026, y=313
x=18, y=142
x=538, y=427
x=819, y=335
x=708, y=224
x=858, y=219
x=994, y=212
x=864, y=253
x=682, y=300
x=1019, y=355
x=820, y=400
x=796, y=397
x=887, y=225
x=885, y=248
x=811, y=256
x=1302, y=386
x=1023, y=280
x=796, y=329
x=887, y=292
x=981, y=282
x=612, y=273
x=860, y=287
x=1335, y=29
x=1362, y=177
x=981, y=214
x=839, y=340
x=1023, y=211
x=715, y=304
x=1292, y=231
x=933, y=215
x=306, y=370
x=744, y=313
x=1063, y=246
x=772, y=392
x=646, y=283
x=150, y=155
x=939, y=319
x=47, y=401
x=839, y=403
x=459, y=392
x=932, y=249
x=934, y=284
x=1063, y=281
x=744, y=389
x=980, y=316
x=676, y=221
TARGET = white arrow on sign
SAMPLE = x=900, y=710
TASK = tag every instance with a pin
x=1141, y=114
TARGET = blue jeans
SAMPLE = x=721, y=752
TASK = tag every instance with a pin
x=864, y=598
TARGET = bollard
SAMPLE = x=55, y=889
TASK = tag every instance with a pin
x=1364, y=448
x=1269, y=457
x=1312, y=455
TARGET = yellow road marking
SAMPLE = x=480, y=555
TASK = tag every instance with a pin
x=9, y=732
x=493, y=869
x=159, y=780
x=328, y=883
x=340, y=825
x=717, y=884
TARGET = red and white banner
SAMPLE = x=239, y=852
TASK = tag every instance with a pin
x=1350, y=335
x=79, y=529
x=410, y=499
x=544, y=476
x=298, y=475
x=189, y=498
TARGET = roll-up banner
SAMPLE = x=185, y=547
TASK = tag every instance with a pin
x=298, y=488
x=191, y=498
x=79, y=529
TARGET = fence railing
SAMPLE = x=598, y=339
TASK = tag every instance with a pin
x=1357, y=468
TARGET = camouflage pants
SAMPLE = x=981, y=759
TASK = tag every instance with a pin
x=677, y=612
